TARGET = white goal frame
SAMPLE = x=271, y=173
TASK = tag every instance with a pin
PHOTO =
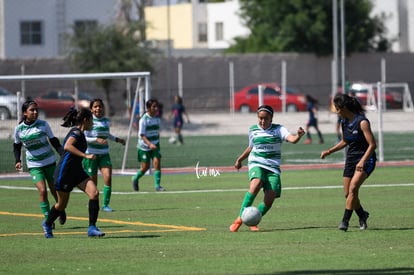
x=407, y=102
x=139, y=93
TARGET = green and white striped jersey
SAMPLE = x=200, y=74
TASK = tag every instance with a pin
x=35, y=139
x=150, y=127
x=100, y=129
x=266, y=146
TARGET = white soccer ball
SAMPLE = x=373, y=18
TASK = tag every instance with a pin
x=251, y=216
x=172, y=140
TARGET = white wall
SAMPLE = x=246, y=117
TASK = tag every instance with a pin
x=45, y=11
x=227, y=13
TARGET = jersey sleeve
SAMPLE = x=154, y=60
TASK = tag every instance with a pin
x=284, y=132
x=16, y=136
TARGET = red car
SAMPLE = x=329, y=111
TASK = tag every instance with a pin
x=247, y=99
x=58, y=103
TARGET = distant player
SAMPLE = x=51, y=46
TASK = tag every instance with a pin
x=178, y=113
x=149, y=145
x=360, y=156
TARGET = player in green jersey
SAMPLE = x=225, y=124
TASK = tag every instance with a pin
x=97, y=139
x=35, y=135
x=149, y=145
x=264, y=157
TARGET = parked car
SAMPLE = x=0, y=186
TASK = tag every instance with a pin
x=8, y=104
x=247, y=99
x=393, y=99
x=58, y=103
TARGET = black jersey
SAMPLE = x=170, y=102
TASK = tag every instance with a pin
x=69, y=172
x=353, y=135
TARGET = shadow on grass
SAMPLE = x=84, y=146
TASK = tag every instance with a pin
x=398, y=271
x=296, y=228
x=356, y=229
x=391, y=229
x=133, y=237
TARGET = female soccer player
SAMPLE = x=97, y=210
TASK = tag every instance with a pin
x=97, y=139
x=35, y=134
x=149, y=145
x=313, y=119
x=264, y=158
x=69, y=172
x=360, y=156
x=178, y=112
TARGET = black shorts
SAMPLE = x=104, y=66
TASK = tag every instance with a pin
x=67, y=180
x=351, y=163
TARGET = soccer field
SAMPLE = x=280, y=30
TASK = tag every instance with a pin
x=185, y=230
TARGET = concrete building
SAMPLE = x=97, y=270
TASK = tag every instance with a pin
x=36, y=29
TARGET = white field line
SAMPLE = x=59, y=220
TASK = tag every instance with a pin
x=227, y=190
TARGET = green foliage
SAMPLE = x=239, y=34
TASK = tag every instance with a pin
x=108, y=49
x=305, y=26
x=105, y=49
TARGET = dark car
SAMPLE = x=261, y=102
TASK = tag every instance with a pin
x=58, y=103
x=247, y=99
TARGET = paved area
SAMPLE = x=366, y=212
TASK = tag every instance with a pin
x=221, y=123
x=224, y=123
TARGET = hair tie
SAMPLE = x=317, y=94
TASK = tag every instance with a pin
x=266, y=109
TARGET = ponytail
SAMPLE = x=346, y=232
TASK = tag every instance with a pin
x=350, y=102
x=75, y=117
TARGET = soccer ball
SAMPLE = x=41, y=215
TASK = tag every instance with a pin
x=172, y=140
x=251, y=216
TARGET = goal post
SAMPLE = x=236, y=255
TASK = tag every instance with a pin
x=140, y=92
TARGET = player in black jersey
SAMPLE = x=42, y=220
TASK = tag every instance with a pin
x=69, y=172
x=360, y=155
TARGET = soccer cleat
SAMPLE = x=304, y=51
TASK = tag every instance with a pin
x=160, y=189
x=363, y=222
x=343, y=226
x=135, y=185
x=62, y=217
x=236, y=225
x=47, y=230
x=93, y=231
x=254, y=228
x=107, y=209
x=308, y=141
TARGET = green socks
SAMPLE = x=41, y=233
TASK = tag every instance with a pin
x=157, y=178
x=45, y=208
x=138, y=175
x=247, y=201
x=263, y=208
x=107, y=191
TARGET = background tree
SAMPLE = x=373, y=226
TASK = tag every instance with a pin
x=105, y=49
x=305, y=26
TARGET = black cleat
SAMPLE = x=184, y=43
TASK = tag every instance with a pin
x=343, y=226
x=62, y=217
x=363, y=221
x=135, y=185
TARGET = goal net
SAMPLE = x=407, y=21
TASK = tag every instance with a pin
x=124, y=129
x=395, y=96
